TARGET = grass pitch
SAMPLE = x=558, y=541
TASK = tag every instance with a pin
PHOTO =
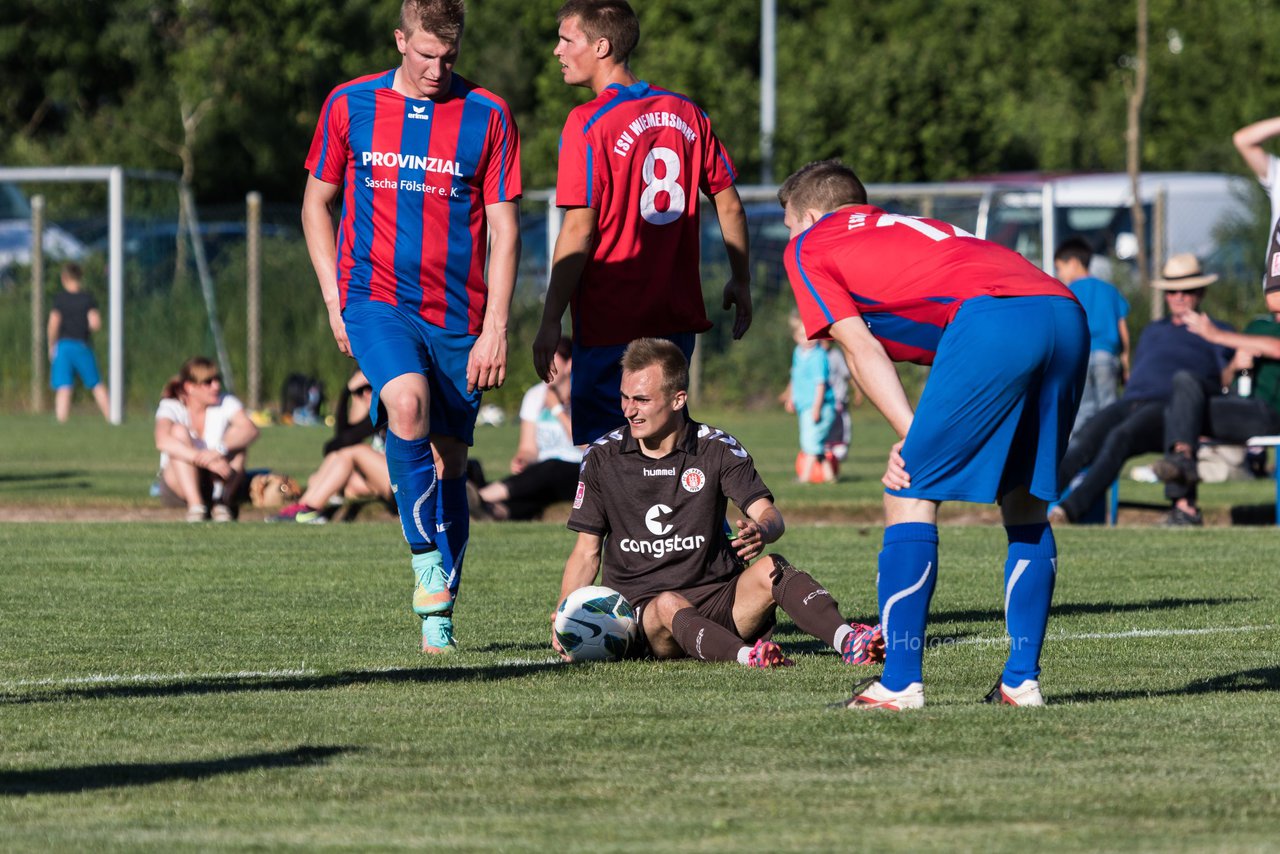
x=165, y=686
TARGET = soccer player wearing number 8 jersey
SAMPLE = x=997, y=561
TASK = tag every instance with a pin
x=1009, y=348
x=426, y=166
x=632, y=163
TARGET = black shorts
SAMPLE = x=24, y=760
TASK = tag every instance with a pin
x=713, y=601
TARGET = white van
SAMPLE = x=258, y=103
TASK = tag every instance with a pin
x=1032, y=214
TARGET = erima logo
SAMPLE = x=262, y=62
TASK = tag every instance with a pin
x=418, y=113
x=660, y=472
x=658, y=529
x=439, y=165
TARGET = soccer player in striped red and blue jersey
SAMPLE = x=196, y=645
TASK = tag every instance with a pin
x=632, y=164
x=426, y=167
x=1009, y=347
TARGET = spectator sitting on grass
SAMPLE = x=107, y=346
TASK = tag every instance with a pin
x=353, y=469
x=544, y=470
x=203, y=436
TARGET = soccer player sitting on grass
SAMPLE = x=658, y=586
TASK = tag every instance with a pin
x=650, y=514
x=1009, y=348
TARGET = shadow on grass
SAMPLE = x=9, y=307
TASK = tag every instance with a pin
x=83, y=778
x=46, y=479
x=1071, y=609
x=1263, y=679
x=318, y=682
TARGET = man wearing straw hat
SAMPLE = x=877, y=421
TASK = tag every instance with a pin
x=1135, y=424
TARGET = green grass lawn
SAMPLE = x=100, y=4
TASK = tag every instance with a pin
x=86, y=464
x=166, y=686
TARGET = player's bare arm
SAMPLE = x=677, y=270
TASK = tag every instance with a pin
x=1249, y=139
x=574, y=244
x=762, y=526
x=579, y=571
x=733, y=227
x=318, y=201
x=51, y=331
x=487, y=364
x=874, y=372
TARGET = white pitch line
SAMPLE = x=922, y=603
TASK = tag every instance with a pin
x=108, y=679
x=1132, y=633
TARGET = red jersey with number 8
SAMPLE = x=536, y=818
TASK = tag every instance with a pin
x=905, y=276
x=639, y=155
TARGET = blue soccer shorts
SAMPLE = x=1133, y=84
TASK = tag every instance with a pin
x=1000, y=401
x=72, y=358
x=595, y=391
x=388, y=341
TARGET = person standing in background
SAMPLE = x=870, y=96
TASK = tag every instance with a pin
x=74, y=318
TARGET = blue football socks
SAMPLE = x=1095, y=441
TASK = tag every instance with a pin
x=1029, y=574
x=908, y=574
x=454, y=528
x=413, y=480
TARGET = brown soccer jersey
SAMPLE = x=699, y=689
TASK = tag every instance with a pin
x=663, y=519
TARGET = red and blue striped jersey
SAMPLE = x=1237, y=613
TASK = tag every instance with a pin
x=416, y=176
x=639, y=155
x=905, y=276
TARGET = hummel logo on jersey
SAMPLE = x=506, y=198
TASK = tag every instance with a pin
x=656, y=527
x=418, y=113
x=671, y=472
x=439, y=165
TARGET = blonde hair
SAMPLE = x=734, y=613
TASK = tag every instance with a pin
x=444, y=19
x=646, y=352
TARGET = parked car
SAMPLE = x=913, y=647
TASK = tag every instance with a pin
x=15, y=236
x=150, y=247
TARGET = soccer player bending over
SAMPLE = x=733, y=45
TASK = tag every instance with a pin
x=427, y=168
x=650, y=514
x=1009, y=348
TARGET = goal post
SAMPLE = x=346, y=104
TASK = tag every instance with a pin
x=114, y=178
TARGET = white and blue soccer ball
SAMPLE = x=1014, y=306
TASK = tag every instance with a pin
x=595, y=624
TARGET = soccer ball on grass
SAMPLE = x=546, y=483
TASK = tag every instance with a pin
x=595, y=624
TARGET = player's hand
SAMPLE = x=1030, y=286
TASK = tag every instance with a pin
x=555, y=642
x=487, y=364
x=339, y=328
x=738, y=294
x=895, y=474
x=750, y=540
x=544, y=351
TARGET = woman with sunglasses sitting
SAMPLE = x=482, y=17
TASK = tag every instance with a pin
x=203, y=436
x=353, y=469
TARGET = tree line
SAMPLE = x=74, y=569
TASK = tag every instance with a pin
x=227, y=92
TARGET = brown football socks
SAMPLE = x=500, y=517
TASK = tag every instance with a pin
x=703, y=639
x=806, y=602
